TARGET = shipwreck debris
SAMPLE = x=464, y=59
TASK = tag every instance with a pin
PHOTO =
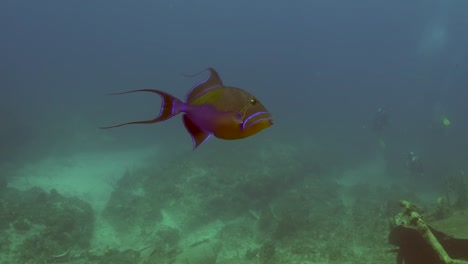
x=420, y=243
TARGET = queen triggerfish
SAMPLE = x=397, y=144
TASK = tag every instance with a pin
x=211, y=108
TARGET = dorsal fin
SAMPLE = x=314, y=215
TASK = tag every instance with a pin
x=212, y=82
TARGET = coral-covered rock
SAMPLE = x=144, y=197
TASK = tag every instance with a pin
x=44, y=225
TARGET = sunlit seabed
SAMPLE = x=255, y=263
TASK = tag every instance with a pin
x=93, y=176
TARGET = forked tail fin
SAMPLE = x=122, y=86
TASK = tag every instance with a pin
x=170, y=107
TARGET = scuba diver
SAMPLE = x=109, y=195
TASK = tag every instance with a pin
x=414, y=165
x=378, y=124
x=380, y=121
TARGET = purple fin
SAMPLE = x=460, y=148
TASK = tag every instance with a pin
x=198, y=135
x=212, y=82
x=170, y=107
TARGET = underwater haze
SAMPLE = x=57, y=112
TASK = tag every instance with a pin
x=369, y=100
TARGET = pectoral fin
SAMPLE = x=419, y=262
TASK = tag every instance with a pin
x=198, y=135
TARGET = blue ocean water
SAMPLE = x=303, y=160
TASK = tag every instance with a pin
x=322, y=68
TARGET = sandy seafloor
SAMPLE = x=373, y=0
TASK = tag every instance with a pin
x=278, y=208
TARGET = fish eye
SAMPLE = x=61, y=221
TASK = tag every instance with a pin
x=253, y=101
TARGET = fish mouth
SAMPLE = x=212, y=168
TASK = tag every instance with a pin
x=256, y=118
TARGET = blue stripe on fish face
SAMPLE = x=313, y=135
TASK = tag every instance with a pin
x=268, y=117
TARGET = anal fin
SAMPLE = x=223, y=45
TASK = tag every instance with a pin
x=198, y=135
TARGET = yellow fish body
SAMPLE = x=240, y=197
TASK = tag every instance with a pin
x=210, y=109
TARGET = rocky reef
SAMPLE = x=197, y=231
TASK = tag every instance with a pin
x=283, y=207
x=42, y=227
x=279, y=209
